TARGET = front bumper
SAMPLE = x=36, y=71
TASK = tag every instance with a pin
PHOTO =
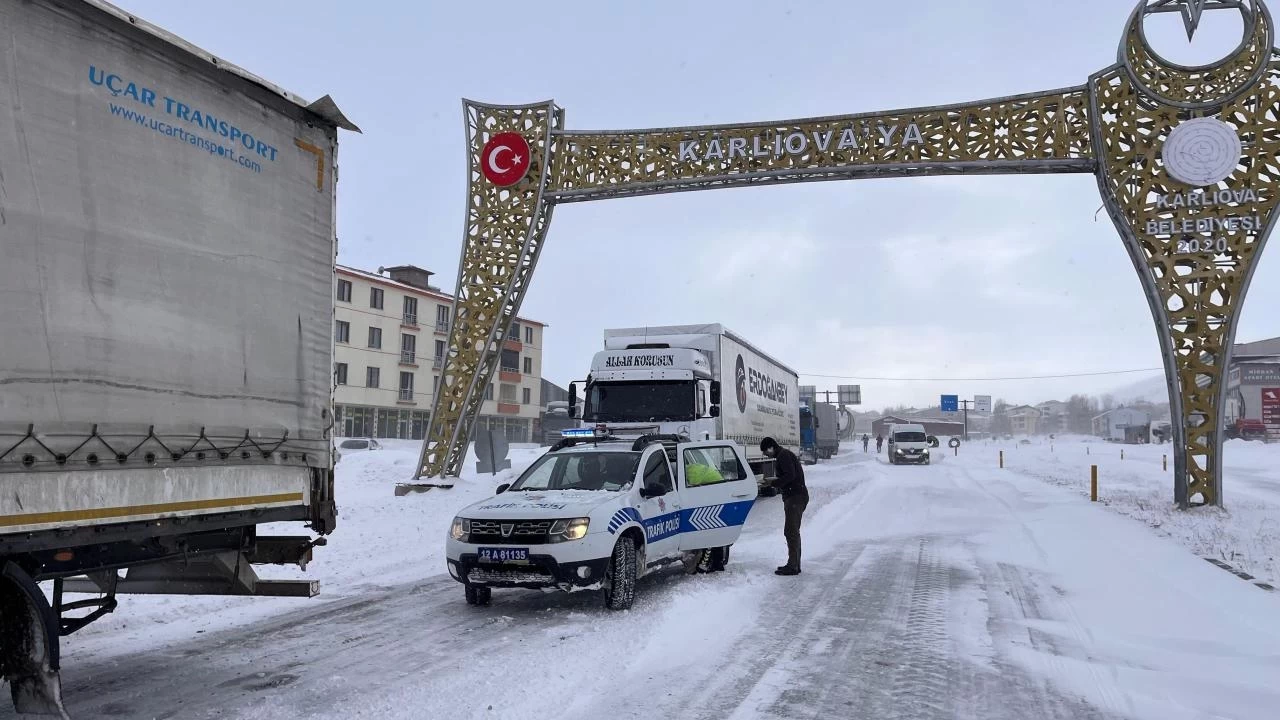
x=921, y=459
x=542, y=571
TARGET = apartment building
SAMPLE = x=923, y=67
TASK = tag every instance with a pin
x=1024, y=420
x=392, y=329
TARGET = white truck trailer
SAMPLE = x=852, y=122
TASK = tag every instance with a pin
x=166, y=326
x=668, y=380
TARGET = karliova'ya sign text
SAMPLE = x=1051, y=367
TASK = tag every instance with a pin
x=746, y=144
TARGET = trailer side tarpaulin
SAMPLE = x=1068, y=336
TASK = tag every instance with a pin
x=168, y=244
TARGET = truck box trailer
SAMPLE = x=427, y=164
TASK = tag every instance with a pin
x=669, y=380
x=826, y=430
x=166, y=368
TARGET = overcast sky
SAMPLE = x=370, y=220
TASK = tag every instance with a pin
x=907, y=278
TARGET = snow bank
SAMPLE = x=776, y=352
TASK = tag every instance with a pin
x=1245, y=533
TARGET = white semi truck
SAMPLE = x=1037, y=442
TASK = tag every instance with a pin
x=669, y=380
x=166, y=326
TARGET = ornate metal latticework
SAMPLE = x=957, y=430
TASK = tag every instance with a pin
x=1041, y=133
x=1194, y=247
x=1198, y=87
x=505, y=228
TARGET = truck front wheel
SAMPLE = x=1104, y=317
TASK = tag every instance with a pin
x=620, y=579
x=478, y=595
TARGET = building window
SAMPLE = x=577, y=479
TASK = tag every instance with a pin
x=375, y=298
x=528, y=395
x=411, y=311
x=355, y=421
x=528, y=366
x=375, y=338
x=408, y=348
x=528, y=334
x=510, y=361
x=488, y=392
x=439, y=359
x=342, y=332
x=372, y=377
x=507, y=394
x=340, y=373
x=435, y=383
x=344, y=290
x=406, y=387
x=514, y=333
x=442, y=318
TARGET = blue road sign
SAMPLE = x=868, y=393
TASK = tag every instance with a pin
x=950, y=403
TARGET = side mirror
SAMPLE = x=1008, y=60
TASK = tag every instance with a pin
x=715, y=394
x=503, y=488
x=573, y=400
x=653, y=490
x=715, y=411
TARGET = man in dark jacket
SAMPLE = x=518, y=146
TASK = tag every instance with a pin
x=795, y=498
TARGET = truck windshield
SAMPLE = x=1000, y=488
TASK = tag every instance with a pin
x=909, y=437
x=610, y=471
x=647, y=401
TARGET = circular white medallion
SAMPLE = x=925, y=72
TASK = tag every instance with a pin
x=1202, y=151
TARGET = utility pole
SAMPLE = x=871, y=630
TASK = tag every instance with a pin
x=965, y=405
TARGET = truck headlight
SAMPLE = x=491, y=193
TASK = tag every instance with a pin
x=563, y=530
x=461, y=529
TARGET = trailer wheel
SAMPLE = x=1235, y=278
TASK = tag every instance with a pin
x=479, y=595
x=29, y=649
x=620, y=578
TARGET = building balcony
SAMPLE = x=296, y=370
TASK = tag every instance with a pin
x=508, y=408
x=409, y=320
x=437, y=362
x=509, y=375
x=511, y=344
x=406, y=397
x=408, y=357
x=442, y=328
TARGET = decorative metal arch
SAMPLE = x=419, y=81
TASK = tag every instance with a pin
x=1193, y=216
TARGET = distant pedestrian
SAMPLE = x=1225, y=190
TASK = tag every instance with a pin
x=879, y=443
x=865, y=440
x=795, y=498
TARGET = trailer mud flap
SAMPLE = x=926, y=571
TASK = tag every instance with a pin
x=29, y=645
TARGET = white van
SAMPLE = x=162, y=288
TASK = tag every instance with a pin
x=908, y=443
x=597, y=512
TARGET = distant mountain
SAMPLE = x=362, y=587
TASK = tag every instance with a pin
x=1151, y=388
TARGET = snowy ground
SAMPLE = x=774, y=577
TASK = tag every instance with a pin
x=952, y=591
x=1245, y=533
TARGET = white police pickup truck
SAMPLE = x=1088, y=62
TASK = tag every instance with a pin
x=596, y=512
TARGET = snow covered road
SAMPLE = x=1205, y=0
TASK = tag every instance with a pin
x=951, y=591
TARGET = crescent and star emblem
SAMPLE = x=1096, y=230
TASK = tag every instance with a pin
x=504, y=161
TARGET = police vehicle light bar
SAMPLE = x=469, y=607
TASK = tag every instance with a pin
x=595, y=432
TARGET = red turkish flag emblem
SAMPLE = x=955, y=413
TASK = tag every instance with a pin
x=505, y=159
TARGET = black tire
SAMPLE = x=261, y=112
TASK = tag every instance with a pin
x=478, y=595
x=620, y=578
